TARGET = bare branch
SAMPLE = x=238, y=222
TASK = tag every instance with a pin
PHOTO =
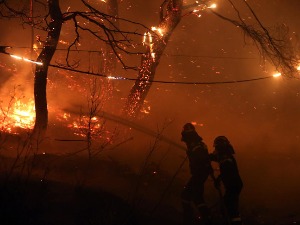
x=277, y=47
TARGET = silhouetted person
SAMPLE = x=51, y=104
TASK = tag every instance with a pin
x=3, y=49
x=200, y=168
x=229, y=176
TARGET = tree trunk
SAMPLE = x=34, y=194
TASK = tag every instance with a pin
x=40, y=78
x=149, y=62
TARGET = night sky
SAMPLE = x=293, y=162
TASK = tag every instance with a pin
x=260, y=118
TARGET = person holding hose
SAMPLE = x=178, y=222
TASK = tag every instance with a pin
x=192, y=195
x=229, y=176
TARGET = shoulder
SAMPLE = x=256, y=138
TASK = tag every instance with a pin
x=199, y=146
x=228, y=160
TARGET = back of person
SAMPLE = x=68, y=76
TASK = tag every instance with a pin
x=192, y=195
x=199, y=161
x=229, y=173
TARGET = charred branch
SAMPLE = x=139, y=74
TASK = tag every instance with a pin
x=276, y=47
x=109, y=35
x=117, y=41
x=151, y=59
x=161, y=10
x=109, y=66
x=18, y=11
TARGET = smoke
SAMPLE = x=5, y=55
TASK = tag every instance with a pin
x=260, y=118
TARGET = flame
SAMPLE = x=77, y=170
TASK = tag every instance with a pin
x=83, y=126
x=153, y=55
x=298, y=68
x=20, y=115
x=196, y=12
x=159, y=30
x=24, y=114
x=212, y=6
x=148, y=36
x=35, y=47
x=276, y=74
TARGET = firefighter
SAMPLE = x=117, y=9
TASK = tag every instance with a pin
x=229, y=176
x=192, y=195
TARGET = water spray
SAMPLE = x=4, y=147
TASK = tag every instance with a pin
x=3, y=51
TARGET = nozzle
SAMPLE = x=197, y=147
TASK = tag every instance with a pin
x=3, y=49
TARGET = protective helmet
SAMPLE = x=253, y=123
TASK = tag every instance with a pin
x=189, y=133
x=222, y=145
x=188, y=127
x=221, y=140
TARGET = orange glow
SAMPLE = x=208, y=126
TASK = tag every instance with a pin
x=212, y=6
x=35, y=48
x=276, y=74
x=20, y=115
x=148, y=36
x=84, y=125
x=64, y=42
x=159, y=30
x=197, y=124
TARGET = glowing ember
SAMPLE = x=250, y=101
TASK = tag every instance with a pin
x=148, y=36
x=159, y=30
x=212, y=6
x=146, y=110
x=64, y=42
x=298, y=68
x=153, y=55
x=116, y=78
x=197, y=124
x=35, y=48
x=84, y=126
x=277, y=75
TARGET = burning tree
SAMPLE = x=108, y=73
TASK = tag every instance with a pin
x=101, y=26
x=150, y=59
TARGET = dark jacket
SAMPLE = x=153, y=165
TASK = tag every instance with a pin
x=199, y=161
x=229, y=173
